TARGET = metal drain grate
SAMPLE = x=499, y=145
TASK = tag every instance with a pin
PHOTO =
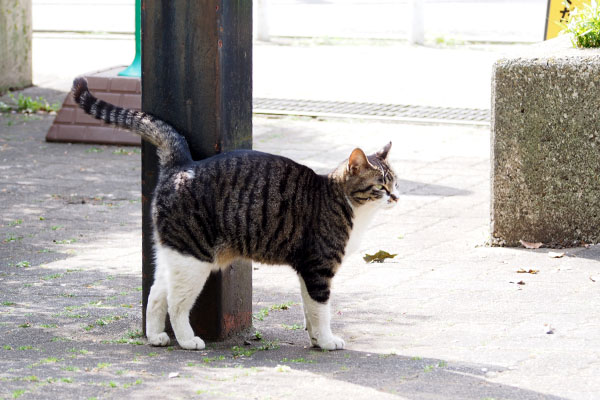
x=394, y=112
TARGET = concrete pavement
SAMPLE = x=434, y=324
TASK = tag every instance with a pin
x=448, y=318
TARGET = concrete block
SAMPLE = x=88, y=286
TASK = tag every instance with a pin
x=15, y=44
x=546, y=146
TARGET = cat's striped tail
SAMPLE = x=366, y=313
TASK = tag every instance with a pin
x=172, y=148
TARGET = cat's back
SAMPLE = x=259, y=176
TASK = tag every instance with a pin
x=245, y=200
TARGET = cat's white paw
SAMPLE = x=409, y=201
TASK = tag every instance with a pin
x=330, y=343
x=194, y=343
x=162, y=339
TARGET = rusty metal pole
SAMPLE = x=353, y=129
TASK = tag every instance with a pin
x=197, y=76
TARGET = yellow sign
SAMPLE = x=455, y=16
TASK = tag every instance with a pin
x=558, y=12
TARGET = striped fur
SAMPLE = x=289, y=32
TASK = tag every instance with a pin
x=172, y=148
x=251, y=205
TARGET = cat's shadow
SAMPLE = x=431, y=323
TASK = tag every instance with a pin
x=408, y=377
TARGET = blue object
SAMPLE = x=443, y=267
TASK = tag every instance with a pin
x=135, y=69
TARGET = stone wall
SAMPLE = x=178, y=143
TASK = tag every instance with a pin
x=546, y=146
x=15, y=44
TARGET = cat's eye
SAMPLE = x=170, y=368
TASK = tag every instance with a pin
x=379, y=187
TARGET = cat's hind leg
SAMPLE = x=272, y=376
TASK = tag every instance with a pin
x=156, y=310
x=186, y=278
x=317, y=312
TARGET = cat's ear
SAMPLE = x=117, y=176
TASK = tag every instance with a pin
x=383, y=153
x=358, y=161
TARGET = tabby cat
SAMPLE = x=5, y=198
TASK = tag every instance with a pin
x=251, y=205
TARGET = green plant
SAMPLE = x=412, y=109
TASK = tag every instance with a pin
x=584, y=25
x=27, y=105
x=23, y=264
x=18, y=393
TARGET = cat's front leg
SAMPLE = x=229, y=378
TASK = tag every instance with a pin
x=317, y=312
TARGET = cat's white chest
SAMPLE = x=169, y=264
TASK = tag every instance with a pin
x=363, y=216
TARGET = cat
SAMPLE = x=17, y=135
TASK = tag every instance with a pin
x=252, y=205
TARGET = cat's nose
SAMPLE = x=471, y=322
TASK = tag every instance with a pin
x=393, y=198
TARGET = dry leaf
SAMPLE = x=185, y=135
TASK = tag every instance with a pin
x=529, y=245
x=378, y=257
x=554, y=254
x=520, y=283
x=531, y=271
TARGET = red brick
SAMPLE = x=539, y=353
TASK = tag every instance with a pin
x=132, y=101
x=113, y=98
x=122, y=84
x=65, y=116
x=98, y=83
x=82, y=118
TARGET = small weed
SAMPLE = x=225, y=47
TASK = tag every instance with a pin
x=416, y=358
x=208, y=360
x=240, y=351
x=31, y=378
x=18, y=393
x=8, y=303
x=26, y=348
x=442, y=364
x=112, y=384
x=429, y=368
x=12, y=238
x=298, y=360
x=7, y=347
x=257, y=336
x=260, y=316
x=66, y=380
x=15, y=222
x=268, y=345
x=60, y=339
x=23, y=264
x=25, y=325
x=584, y=25
x=70, y=368
x=124, y=152
x=282, y=306
x=49, y=326
x=53, y=276
x=56, y=227
x=152, y=354
x=65, y=241
x=292, y=327
x=27, y=105
x=94, y=150
x=81, y=351
x=135, y=334
x=103, y=365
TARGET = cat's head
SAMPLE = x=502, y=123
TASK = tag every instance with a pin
x=369, y=180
